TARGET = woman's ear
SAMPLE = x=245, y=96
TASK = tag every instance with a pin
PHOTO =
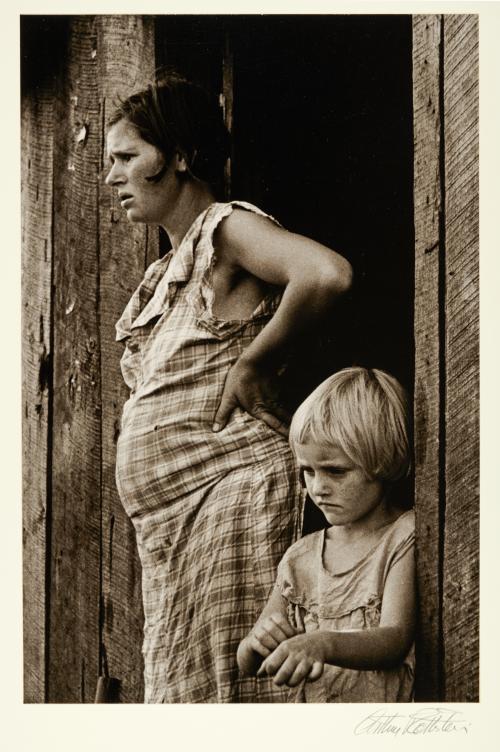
x=181, y=165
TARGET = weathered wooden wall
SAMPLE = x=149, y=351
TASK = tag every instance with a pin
x=447, y=357
x=82, y=260
x=461, y=533
x=427, y=201
x=36, y=171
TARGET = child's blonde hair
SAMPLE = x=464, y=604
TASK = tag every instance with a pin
x=365, y=413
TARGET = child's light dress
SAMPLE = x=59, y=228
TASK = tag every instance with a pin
x=213, y=512
x=317, y=599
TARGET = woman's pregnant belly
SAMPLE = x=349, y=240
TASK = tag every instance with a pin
x=164, y=456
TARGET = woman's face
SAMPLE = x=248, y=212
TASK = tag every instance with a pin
x=133, y=161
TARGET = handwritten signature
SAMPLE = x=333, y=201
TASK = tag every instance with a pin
x=422, y=721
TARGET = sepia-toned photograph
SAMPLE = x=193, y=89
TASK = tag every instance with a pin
x=250, y=358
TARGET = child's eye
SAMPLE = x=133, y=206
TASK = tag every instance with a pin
x=335, y=470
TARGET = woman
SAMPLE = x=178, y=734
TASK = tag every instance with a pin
x=203, y=466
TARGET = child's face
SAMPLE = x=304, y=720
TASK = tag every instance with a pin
x=340, y=489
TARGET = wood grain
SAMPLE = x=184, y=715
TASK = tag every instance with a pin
x=228, y=105
x=461, y=542
x=428, y=249
x=76, y=469
x=36, y=170
x=126, y=62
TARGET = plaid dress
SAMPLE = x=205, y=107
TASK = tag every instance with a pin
x=213, y=512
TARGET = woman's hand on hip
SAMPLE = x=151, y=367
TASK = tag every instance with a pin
x=250, y=388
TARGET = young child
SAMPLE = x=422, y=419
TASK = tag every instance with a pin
x=339, y=624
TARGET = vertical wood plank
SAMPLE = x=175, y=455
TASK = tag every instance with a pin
x=461, y=541
x=36, y=171
x=428, y=247
x=227, y=98
x=126, y=61
x=76, y=476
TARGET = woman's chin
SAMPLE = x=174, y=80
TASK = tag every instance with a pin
x=134, y=216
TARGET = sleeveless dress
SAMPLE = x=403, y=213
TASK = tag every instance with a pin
x=317, y=599
x=213, y=512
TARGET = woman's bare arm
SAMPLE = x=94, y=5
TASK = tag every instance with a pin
x=313, y=277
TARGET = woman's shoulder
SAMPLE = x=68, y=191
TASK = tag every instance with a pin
x=233, y=219
x=242, y=210
x=243, y=236
x=235, y=223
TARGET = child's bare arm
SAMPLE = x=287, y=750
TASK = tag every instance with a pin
x=271, y=629
x=313, y=277
x=379, y=648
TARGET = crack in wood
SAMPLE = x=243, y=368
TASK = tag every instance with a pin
x=45, y=371
x=432, y=247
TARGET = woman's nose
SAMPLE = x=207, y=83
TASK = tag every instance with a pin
x=113, y=177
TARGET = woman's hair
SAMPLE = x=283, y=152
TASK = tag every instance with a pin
x=175, y=114
x=365, y=413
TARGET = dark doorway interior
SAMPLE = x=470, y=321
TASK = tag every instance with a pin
x=323, y=140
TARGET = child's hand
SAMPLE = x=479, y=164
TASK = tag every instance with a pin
x=298, y=658
x=269, y=633
x=253, y=390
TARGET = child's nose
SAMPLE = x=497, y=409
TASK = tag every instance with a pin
x=319, y=483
